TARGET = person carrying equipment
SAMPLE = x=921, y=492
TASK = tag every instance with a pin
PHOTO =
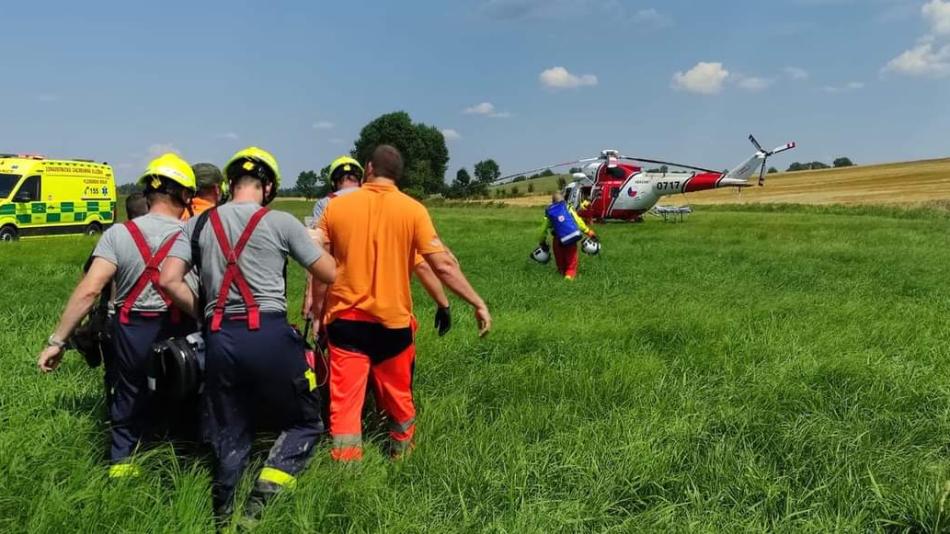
x=132, y=254
x=346, y=176
x=211, y=189
x=566, y=229
x=375, y=232
x=255, y=369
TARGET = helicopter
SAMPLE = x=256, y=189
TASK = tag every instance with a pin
x=616, y=187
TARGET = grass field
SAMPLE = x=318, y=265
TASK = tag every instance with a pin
x=747, y=371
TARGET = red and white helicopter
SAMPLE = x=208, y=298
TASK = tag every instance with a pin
x=614, y=186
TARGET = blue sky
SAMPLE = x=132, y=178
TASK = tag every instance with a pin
x=527, y=82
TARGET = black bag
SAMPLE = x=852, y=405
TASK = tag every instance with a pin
x=176, y=367
x=93, y=338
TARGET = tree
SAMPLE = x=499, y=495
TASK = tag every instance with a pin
x=462, y=178
x=487, y=171
x=561, y=182
x=575, y=170
x=547, y=172
x=307, y=184
x=843, y=162
x=531, y=188
x=423, y=150
x=772, y=170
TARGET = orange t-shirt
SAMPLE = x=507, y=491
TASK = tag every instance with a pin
x=376, y=234
x=198, y=206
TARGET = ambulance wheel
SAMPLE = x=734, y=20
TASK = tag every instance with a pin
x=8, y=233
x=93, y=229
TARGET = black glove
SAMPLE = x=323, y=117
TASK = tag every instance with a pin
x=443, y=320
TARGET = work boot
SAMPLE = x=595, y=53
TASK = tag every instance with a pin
x=262, y=493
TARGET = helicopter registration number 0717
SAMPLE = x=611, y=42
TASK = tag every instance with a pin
x=668, y=186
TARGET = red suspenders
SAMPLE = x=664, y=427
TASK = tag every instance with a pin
x=232, y=273
x=151, y=273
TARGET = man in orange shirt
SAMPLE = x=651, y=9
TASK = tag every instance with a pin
x=375, y=233
x=210, y=183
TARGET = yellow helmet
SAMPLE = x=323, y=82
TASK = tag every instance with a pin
x=346, y=164
x=257, y=162
x=169, y=166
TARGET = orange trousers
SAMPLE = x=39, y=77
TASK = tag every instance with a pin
x=391, y=379
x=565, y=256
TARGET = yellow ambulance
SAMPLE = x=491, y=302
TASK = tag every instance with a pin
x=40, y=196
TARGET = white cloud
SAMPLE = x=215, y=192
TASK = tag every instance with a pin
x=848, y=87
x=925, y=59
x=155, y=150
x=486, y=109
x=796, y=73
x=652, y=17
x=753, y=83
x=704, y=78
x=231, y=136
x=560, y=78
x=323, y=125
x=937, y=13
x=450, y=135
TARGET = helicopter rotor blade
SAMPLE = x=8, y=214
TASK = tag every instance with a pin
x=668, y=163
x=505, y=179
x=756, y=144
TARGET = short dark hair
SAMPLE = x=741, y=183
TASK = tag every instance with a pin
x=136, y=205
x=387, y=162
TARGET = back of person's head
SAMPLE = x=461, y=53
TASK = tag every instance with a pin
x=136, y=205
x=387, y=162
x=556, y=197
x=208, y=177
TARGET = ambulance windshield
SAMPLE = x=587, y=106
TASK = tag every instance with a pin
x=7, y=183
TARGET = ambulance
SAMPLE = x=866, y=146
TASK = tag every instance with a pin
x=40, y=196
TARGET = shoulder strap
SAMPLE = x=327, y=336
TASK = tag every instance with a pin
x=151, y=273
x=196, y=235
x=232, y=272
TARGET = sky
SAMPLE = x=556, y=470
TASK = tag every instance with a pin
x=526, y=82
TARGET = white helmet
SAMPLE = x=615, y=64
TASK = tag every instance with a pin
x=541, y=255
x=591, y=247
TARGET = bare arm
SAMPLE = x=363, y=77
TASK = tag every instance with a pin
x=173, y=284
x=450, y=274
x=430, y=282
x=324, y=269
x=80, y=302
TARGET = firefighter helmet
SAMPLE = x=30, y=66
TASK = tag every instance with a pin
x=591, y=246
x=256, y=162
x=344, y=165
x=541, y=255
x=169, y=166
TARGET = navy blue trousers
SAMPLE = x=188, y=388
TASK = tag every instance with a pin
x=254, y=380
x=135, y=414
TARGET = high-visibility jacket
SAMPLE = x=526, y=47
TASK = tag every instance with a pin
x=563, y=223
x=198, y=206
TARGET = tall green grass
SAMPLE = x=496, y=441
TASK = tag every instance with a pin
x=742, y=372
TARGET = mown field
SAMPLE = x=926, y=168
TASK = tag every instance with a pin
x=920, y=183
x=747, y=371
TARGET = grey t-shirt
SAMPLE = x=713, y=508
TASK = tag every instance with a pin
x=117, y=247
x=321, y=205
x=277, y=236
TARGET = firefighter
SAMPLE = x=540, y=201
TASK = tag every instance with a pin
x=136, y=205
x=346, y=176
x=255, y=370
x=211, y=188
x=132, y=255
x=566, y=229
x=375, y=232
